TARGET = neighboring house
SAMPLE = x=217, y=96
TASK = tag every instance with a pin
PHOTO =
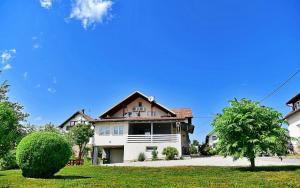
x=293, y=119
x=140, y=124
x=76, y=118
x=212, y=139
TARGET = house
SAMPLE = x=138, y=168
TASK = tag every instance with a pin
x=76, y=118
x=293, y=119
x=138, y=124
x=212, y=139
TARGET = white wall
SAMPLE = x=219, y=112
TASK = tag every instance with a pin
x=110, y=140
x=132, y=150
x=211, y=142
x=145, y=104
x=294, y=129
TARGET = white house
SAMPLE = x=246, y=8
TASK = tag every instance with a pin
x=212, y=139
x=138, y=124
x=293, y=119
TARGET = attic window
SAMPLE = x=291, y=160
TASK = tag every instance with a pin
x=140, y=104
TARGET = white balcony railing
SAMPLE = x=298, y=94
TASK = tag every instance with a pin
x=155, y=138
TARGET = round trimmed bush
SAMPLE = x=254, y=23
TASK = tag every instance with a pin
x=42, y=154
x=170, y=153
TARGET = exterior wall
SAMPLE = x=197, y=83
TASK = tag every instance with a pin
x=146, y=105
x=77, y=118
x=110, y=140
x=294, y=129
x=212, y=142
x=132, y=150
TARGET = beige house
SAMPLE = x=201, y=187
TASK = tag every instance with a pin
x=293, y=119
x=138, y=124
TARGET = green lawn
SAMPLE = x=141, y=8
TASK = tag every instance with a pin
x=88, y=176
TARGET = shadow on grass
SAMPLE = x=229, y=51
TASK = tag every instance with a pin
x=69, y=177
x=269, y=168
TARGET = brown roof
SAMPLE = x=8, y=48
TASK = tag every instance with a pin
x=129, y=99
x=183, y=112
x=87, y=117
x=292, y=113
x=139, y=119
x=294, y=99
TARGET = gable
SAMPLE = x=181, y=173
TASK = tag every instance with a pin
x=128, y=104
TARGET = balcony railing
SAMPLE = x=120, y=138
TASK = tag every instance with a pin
x=155, y=138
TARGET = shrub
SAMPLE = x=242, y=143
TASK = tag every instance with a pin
x=141, y=157
x=204, y=149
x=154, y=155
x=193, y=149
x=42, y=154
x=170, y=153
x=9, y=161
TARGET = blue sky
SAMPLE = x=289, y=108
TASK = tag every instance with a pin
x=60, y=56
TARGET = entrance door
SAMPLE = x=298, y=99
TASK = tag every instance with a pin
x=116, y=155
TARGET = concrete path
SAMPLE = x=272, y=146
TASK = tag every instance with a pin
x=213, y=161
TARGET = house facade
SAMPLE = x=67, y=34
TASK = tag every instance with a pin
x=293, y=119
x=212, y=139
x=139, y=124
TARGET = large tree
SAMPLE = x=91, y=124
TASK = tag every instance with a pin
x=80, y=135
x=247, y=129
x=11, y=118
x=8, y=128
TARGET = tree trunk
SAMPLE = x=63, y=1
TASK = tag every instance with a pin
x=252, y=161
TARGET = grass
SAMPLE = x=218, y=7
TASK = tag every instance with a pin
x=100, y=176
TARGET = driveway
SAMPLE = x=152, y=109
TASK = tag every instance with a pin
x=213, y=161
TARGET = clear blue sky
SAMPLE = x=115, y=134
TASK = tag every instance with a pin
x=197, y=54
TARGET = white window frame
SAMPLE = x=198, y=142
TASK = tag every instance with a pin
x=104, y=130
x=119, y=130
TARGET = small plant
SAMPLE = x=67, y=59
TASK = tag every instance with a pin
x=193, y=149
x=154, y=155
x=9, y=161
x=141, y=157
x=170, y=153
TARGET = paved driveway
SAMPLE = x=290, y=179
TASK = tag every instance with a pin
x=213, y=161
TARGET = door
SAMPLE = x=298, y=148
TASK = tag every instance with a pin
x=116, y=155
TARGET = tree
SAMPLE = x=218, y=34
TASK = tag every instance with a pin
x=80, y=135
x=49, y=127
x=247, y=129
x=8, y=128
x=196, y=143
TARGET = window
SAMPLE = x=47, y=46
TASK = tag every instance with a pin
x=140, y=104
x=104, y=130
x=214, y=137
x=73, y=123
x=151, y=148
x=118, y=130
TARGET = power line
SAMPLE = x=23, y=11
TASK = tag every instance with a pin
x=280, y=86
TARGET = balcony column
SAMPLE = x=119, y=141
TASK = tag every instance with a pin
x=151, y=134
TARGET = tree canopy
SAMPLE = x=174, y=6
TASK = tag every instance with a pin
x=247, y=129
x=80, y=135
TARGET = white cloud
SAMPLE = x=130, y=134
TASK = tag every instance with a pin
x=37, y=85
x=38, y=118
x=47, y=4
x=25, y=75
x=54, y=80
x=51, y=90
x=7, y=67
x=90, y=12
x=7, y=55
x=36, y=46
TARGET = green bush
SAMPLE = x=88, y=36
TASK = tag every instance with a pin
x=141, y=157
x=193, y=149
x=42, y=154
x=170, y=153
x=154, y=155
x=9, y=161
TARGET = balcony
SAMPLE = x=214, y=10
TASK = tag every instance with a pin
x=155, y=138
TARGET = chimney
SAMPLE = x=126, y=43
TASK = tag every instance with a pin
x=82, y=111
